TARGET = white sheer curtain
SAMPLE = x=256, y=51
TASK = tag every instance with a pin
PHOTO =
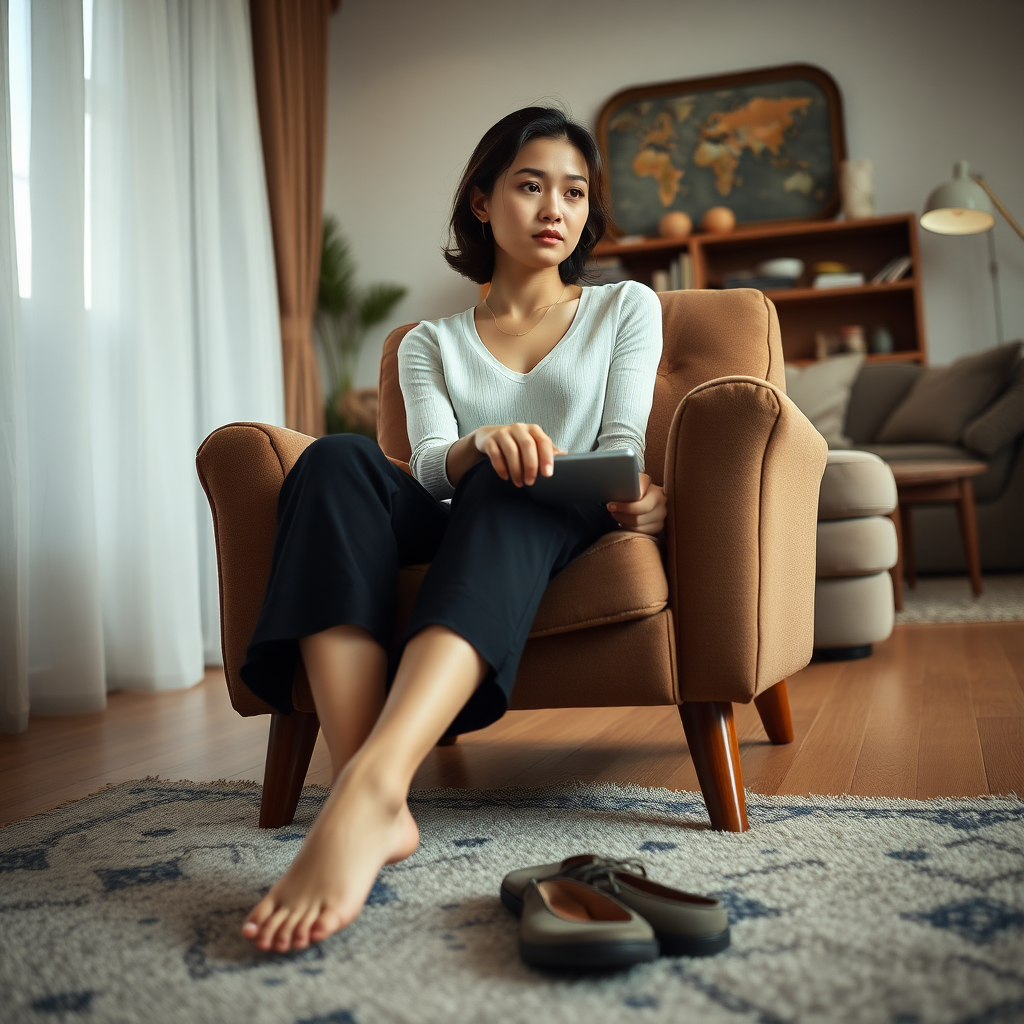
x=182, y=336
x=66, y=670
x=237, y=326
x=13, y=442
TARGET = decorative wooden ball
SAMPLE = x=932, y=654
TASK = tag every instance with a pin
x=719, y=220
x=675, y=224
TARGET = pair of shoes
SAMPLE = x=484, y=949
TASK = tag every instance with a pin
x=683, y=924
x=567, y=925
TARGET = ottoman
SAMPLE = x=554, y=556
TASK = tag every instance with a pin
x=853, y=602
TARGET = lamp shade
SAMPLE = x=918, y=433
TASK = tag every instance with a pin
x=959, y=207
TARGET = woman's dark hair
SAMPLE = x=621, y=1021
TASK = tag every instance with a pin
x=471, y=248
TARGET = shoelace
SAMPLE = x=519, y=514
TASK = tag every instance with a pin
x=600, y=873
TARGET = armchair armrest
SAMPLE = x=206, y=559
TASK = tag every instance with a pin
x=742, y=471
x=241, y=467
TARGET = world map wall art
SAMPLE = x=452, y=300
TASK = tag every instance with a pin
x=765, y=143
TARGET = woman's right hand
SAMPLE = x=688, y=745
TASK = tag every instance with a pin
x=518, y=451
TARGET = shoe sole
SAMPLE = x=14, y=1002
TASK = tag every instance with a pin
x=513, y=903
x=692, y=945
x=588, y=956
x=670, y=945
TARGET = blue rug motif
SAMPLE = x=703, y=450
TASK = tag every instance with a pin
x=126, y=906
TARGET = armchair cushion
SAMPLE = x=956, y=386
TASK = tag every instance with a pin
x=581, y=595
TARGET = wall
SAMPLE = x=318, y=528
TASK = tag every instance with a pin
x=414, y=84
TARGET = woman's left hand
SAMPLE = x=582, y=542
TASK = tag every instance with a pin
x=645, y=515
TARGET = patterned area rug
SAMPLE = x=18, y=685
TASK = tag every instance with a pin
x=125, y=907
x=950, y=599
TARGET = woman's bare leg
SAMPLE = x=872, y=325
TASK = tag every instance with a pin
x=365, y=822
x=347, y=671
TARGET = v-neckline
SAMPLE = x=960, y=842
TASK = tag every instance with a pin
x=507, y=370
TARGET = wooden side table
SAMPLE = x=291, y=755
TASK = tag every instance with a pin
x=926, y=482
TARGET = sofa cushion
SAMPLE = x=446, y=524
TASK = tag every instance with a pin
x=855, y=547
x=582, y=594
x=855, y=483
x=944, y=399
x=1002, y=422
x=919, y=452
x=852, y=610
x=879, y=388
x=821, y=391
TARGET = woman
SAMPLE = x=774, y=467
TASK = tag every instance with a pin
x=539, y=367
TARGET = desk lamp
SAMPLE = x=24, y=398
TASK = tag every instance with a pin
x=964, y=206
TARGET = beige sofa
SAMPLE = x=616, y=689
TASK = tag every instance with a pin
x=995, y=436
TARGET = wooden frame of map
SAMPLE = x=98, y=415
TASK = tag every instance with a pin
x=766, y=143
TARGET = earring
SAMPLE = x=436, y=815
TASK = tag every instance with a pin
x=483, y=229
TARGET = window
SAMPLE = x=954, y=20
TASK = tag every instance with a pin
x=20, y=92
x=20, y=34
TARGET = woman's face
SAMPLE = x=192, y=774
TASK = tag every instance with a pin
x=539, y=207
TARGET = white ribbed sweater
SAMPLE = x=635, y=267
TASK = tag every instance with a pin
x=593, y=390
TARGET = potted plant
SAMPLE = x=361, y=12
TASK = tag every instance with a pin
x=344, y=313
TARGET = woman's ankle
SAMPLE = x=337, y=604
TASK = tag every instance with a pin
x=364, y=772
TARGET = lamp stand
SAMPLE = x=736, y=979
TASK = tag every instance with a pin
x=993, y=269
x=993, y=263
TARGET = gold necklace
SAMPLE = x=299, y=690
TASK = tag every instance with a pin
x=509, y=334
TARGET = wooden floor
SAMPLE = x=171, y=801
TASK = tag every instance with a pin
x=936, y=711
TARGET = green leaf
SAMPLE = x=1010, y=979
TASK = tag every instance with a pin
x=377, y=301
x=344, y=311
x=336, y=290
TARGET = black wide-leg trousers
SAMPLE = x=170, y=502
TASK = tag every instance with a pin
x=347, y=520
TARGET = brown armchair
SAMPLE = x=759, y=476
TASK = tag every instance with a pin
x=724, y=614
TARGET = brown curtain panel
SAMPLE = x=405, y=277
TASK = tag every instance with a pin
x=289, y=42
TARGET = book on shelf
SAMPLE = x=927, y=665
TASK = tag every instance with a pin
x=893, y=271
x=853, y=279
x=676, y=277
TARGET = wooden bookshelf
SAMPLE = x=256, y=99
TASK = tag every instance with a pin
x=865, y=245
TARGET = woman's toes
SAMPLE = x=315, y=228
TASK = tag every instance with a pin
x=269, y=929
x=257, y=916
x=283, y=942
x=300, y=937
x=327, y=923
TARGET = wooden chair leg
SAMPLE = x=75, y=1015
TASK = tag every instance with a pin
x=292, y=738
x=711, y=737
x=773, y=707
x=969, y=532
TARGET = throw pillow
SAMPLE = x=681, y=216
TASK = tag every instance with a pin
x=821, y=391
x=1002, y=422
x=944, y=399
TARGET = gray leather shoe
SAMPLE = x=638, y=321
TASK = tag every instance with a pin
x=566, y=925
x=685, y=924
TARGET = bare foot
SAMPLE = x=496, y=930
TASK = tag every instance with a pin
x=358, y=831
